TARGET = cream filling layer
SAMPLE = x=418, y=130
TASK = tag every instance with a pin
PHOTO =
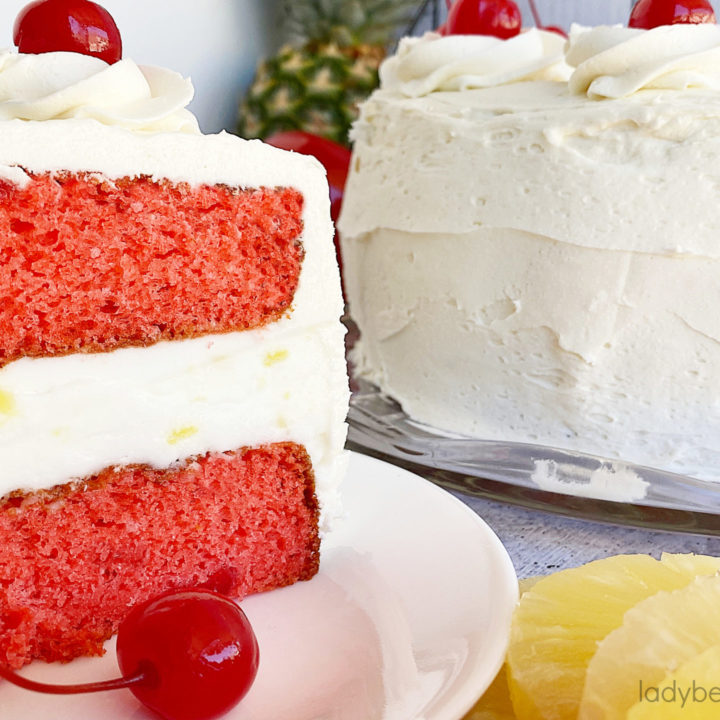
x=69, y=417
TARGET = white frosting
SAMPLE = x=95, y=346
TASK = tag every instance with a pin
x=461, y=62
x=529, y=264
x=533, y=157
x=614, y=62
x=61, y=85
x=67, y=417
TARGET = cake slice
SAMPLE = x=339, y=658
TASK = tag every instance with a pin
x=172, y=376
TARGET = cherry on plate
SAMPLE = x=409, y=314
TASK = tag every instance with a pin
x=77, y=26
x=197, y=650
x=187, y=654
x=648, y=14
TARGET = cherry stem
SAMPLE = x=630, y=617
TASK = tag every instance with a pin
x=140, y=676
x=535, y=13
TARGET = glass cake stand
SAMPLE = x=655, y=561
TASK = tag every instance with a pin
x=534, y=476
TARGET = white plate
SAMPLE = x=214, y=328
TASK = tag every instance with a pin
x=539, y=477
x=408, y=618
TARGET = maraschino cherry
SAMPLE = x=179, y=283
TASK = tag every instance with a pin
x=187, y=655
x=501, y=18
x=648, y=14
x=77, y=26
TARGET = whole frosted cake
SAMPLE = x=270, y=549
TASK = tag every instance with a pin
x=531, y=240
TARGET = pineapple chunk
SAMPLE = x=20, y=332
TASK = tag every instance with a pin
x=686, y=694
x=560, y=621
x=658, y=637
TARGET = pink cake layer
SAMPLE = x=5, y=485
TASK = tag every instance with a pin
x=74, y=559
x=90, y=265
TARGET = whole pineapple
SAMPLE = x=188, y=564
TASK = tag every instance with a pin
x=316, y=82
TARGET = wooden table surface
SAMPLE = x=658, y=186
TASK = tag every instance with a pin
x=540, y=543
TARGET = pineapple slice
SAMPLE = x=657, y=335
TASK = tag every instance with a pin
x=658, y=637
x=495, y=703
x=684, y=694
x=692, y=564
x=560, y=621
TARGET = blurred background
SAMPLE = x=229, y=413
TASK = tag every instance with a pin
x=219, y=42
x=585, y=12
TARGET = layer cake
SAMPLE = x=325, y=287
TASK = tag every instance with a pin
x=172, y=374
x=531, y=240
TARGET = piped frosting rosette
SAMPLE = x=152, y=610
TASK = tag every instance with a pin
x=434, y=63
x=62, y=85
x=616, y=61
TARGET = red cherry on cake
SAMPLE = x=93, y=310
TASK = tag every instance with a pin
x=77, y=26
x=648, y=14
x=500, y=18
x=186, y=654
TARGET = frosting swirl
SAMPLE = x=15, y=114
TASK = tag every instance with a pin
x=464, y=62
x=62, y=85
x=615, y=61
